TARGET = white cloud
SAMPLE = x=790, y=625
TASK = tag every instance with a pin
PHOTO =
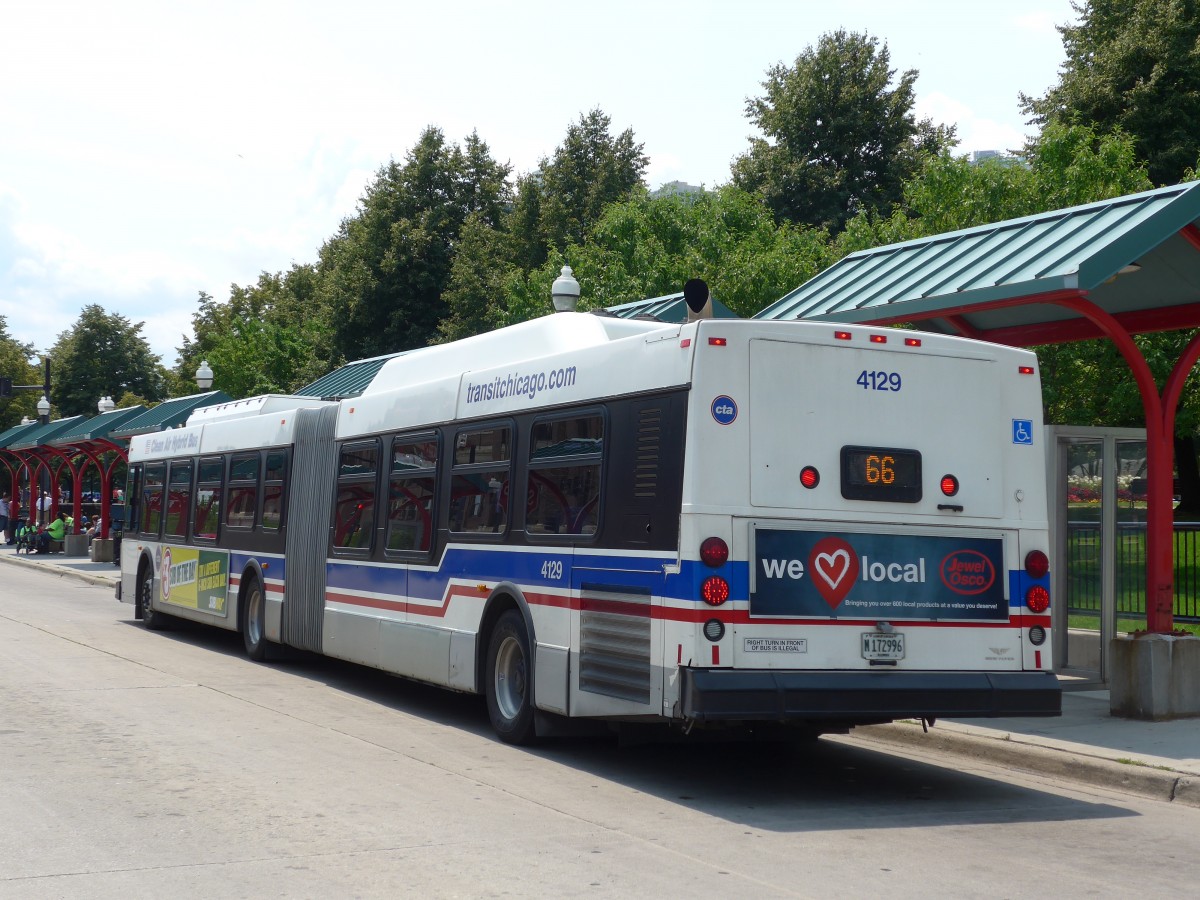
x=975, y=132
x=1040, y=22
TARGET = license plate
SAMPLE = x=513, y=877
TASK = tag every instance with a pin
x=877, y=645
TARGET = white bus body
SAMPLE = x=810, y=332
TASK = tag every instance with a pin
x=870, y=503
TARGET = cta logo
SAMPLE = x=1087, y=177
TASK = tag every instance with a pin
x=967, y=572
x=834, y=567
x=724, y=410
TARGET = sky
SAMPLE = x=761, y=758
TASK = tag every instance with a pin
x=152, y=151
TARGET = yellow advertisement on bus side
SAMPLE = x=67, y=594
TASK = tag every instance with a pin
x=196, y=579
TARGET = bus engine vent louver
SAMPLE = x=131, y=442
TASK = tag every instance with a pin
x=614, y=648
x=646, y=459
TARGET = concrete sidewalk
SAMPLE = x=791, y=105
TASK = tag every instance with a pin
x=80, y=567
x=1160, y=760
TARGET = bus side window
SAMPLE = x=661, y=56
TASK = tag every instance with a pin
x=273, y=481
x=479, y=486
x=133, y=495
x=209, y=485
x=152, y=497
x=243, y=492
x=354, y=507
x=179, y=498
x=562, y=495
x=411, y=494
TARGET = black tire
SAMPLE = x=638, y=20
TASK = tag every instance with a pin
x=509, y=680
x=252, y=610
x=151, y=618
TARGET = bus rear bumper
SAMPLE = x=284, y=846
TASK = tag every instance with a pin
x=768, y=695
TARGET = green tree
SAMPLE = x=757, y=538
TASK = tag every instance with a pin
x=15, y=365
x=558, y=205
x=102, y=354
x=1064, y=166
x=650, y=246
x=282, y=312
x=382, y=276
x=840, y=137
x=1133, y=66
x=475, y=292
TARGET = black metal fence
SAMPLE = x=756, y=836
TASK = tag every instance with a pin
x=1083, y=570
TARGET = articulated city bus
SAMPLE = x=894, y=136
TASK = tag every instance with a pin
x=713, y=525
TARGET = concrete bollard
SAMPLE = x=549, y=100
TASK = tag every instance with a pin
x=1155, y=676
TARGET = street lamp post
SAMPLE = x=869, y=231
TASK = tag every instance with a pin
x=43, y=410
x=204, y=376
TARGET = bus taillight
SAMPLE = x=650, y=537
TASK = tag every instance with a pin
x=810, y=477
x=1037, y=564
x=949, y=485
x=714, y=552
x=1037, y=598
x=714, y=590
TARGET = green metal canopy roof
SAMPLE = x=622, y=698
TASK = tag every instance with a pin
x=668, y=308
x=168, y=414
x=348, y=381
x=43, y=434
x=1136, y=257
x=96, y=427
x=15, y=433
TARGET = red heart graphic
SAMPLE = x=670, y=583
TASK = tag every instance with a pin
x=834, y=567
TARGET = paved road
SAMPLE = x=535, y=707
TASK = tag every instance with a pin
x=148, y=765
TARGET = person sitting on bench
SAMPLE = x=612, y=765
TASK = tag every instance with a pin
x=55, y=531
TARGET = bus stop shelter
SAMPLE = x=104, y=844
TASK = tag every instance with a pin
x=1114, y=269
x=71, y=444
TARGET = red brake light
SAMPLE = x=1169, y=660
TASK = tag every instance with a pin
x=949, y=485
x=879, y=339
x=714, y=590
x=717, y=342
x=810, y=477
x=714, y=552
x=842, y=335
x=912, y=342
x=1037, y=598
x=1025, y=370
x=1037, y=564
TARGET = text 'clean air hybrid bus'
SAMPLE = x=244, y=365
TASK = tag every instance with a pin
x=724, y=523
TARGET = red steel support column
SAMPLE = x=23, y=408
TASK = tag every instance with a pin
x=1160, y=452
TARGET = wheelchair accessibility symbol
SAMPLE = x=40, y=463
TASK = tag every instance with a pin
x=1022, y=431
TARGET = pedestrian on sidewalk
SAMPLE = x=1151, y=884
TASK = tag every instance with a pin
x=5, y=511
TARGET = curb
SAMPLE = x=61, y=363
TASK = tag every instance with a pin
x=1144, y=781
x=62, y=571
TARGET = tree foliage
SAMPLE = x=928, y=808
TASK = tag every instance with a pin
x=650, y=246
x=1063, y=166
x=270, y=337
x=102, y=355
x=15, y=364
x=558, y=205
x=1132, y=66
x=383, y=275
x=840, y=137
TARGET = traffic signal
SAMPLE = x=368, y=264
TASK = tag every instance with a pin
x=5, y=387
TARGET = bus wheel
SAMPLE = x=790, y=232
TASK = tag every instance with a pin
x=509, y=668
x=253, y=613
x=151, y=618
